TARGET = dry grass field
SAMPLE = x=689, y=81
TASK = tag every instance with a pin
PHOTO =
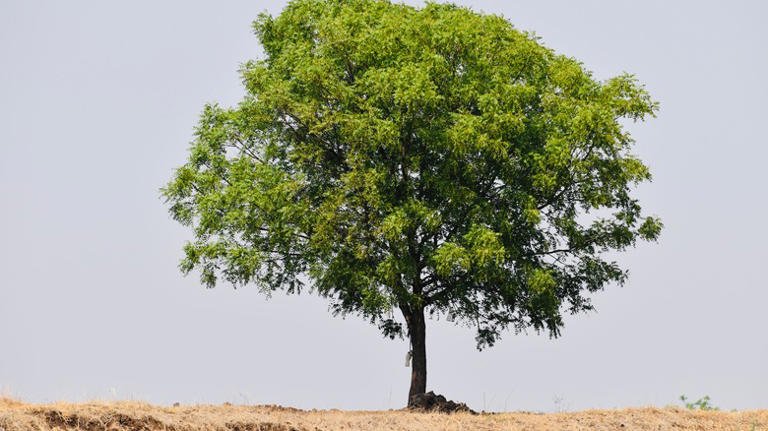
x=135, y=416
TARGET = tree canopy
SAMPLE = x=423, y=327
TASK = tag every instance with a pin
x=434, y=159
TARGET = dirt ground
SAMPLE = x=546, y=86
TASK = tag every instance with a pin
x=135, y=416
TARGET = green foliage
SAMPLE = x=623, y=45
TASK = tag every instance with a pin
x=700, y=404
x=388, y=157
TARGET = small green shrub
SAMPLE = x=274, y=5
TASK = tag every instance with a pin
x=700, y=404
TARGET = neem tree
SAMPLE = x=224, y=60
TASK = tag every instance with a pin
x=416, y=162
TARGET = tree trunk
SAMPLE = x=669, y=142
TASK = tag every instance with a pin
x=417, y=333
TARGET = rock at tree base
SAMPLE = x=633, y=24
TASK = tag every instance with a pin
x=429, y=402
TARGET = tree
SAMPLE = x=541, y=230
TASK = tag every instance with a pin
x=426, y=162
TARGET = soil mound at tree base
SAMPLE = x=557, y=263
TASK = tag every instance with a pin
x=430, y=402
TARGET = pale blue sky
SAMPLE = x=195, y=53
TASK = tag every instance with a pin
x=97, y=105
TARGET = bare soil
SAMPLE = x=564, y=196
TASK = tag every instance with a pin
x=135, y=416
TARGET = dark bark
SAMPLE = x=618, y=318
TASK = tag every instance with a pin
x=417, y=335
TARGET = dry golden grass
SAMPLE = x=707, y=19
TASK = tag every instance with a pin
x=119, y=416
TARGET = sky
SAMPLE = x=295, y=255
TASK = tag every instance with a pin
x=98, y=101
